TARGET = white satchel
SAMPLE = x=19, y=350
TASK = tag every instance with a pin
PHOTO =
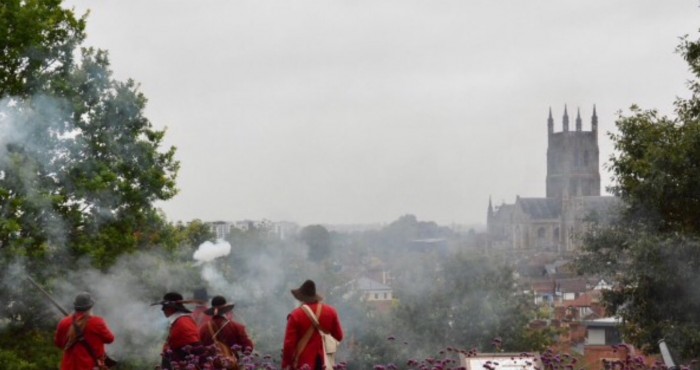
x=329, y=343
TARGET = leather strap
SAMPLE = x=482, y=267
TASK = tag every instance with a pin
x=80, y=338
x=314, y=318
x=211, y=330
x=301, y=345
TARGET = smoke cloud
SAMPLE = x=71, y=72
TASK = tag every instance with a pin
x=208, y=251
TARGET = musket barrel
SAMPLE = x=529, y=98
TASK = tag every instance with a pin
x=47, y=295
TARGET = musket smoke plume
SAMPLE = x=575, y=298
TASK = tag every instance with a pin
x=209, y=251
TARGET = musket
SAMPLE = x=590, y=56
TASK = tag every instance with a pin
x=47, y=295
x=107, y=360
x=184, y=301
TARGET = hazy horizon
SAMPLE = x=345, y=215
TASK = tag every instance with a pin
x=359, y=112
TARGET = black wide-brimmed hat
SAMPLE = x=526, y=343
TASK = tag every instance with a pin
x=200, y=294
x=307, y=292
x=83, y=302
x=173, y=300
x=218, y=306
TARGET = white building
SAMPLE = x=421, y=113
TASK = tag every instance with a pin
x=373, y=291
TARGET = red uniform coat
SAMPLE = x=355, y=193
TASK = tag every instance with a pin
x=199, y=316
x=297, y=325
x=231, y=334
x=183, y=332
x=96, y=333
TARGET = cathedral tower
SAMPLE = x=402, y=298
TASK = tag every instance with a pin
x=572, y=159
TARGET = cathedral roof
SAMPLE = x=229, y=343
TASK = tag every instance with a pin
x=540, y=208
x=503, y=212
x=602, y=208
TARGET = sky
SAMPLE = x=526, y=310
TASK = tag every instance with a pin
x=351, y=112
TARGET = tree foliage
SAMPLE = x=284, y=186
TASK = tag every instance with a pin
x=319, y=241
x=81, y=168
x=38, y=38
x=80, y=165
x=466, y=301
x=653, y=249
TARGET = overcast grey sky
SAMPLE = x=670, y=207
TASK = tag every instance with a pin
x=361, y=111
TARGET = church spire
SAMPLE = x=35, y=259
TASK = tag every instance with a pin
x=550, y=122
x=594, y=121
x=489, y=214
x=566, y=119
x=578, y=119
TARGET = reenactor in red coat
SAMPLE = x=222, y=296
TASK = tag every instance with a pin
x=82, y=336
x=303, y=343
x=183, y=330
x=200, y=295
x=223, y=328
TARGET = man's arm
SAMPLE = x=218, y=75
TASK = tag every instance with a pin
x=60, y=338
x=246, y=342
x=102, y=330
x=290, y=343
x=337, y=329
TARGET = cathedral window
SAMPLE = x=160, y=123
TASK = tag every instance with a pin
x=541, y=233
x=556, y=234
x=585, y=158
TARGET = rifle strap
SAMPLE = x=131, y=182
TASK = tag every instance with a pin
x=80, y=338
x=212, y=332
x=301, y=345
x=314, y=318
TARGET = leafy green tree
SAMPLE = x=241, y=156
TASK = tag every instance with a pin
x=653, y=249
x=194, y=233
x=80, y=168
x=37, y=38
x=28, y=350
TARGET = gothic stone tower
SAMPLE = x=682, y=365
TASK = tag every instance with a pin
x=572, y=159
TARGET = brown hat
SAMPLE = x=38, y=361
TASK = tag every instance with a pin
x=218, y=306
x=307, y=292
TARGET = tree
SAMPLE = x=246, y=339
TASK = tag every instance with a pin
x=81, y=171
x=38, y=38
x=80, y=166
x=653, y=249
x=194, y=233
x=465, y=302
x=318, y=239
